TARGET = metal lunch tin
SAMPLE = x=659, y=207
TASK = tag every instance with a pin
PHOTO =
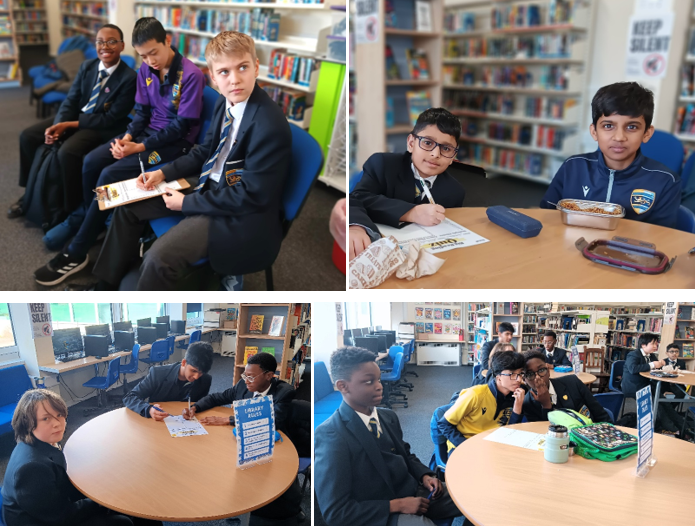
x=591, y=219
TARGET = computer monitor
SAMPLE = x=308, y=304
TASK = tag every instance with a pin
x=96, y=345
x=124, y=340
x=123, y=326
x=381, y=338
x=371, y=344
x=347, y=339
x=145, y=322
x=390, y=337
x=378, y=327
x=163, y=319
x=147, y=335
x=99, y=330
x=67, y=341
x=357, y=333
x=178, y=326
x=162, y=330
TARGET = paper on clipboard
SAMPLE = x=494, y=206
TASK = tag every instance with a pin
x=124, y=192
x=179, y=427
x=447, y=235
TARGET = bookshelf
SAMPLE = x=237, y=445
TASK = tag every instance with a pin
x=83, y=17
x=10, y=76
x=531, y=334
x=480, y=315
x=684, y=334
x=516, y=74
x=31, y=22
x=509, y=311
x=369, y=120
x=684, y=123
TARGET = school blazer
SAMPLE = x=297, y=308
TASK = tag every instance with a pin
x=282, y=393
x=245, y=207
x=37, y=491
x=571, y=394
x=110, y=115
x=559, y=356
x=352, y=485
x=387, y=191
x=635, y=363
x=679, y=362
x=161, y=385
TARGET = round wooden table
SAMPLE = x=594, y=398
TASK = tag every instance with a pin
x=586, y=378
x=499, y=485
x=132, y=465
x=550, y=260
x=684, y=378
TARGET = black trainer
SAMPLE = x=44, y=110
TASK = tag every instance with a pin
x=59, y=268
x=17, y=209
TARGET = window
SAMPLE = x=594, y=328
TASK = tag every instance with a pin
x=359, y=315
x=68, y=315
x=194, y=314
x=8, y=344
x=137, y=311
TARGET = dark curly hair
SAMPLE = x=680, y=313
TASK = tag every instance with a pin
x=443, y=119
x=345, y=360
x=533, y=353
x=265, y=361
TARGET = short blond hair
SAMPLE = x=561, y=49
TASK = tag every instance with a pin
x=229, y=43
x=24, y=419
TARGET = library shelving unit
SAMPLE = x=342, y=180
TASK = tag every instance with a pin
x=376, y=90
x=531, y=334
x=83, y=17
x=9, y=52
x=684, y=334
x=579, y=326
x=31, y=22
x=437, y=332
x=627, y=323
x=516, y=74
x=481, y=333
x=510, y=311
x=684, y=127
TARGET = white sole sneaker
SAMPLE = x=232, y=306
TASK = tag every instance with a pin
x=64, y=274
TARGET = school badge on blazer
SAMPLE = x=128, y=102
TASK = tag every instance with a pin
x=642, y=200
x=149, y=81
x=233, y=176
x=107, y=105
x=154, y=158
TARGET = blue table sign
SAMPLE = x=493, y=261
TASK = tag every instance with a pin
x=576, y=362
x=645, y=425
x=255, y=426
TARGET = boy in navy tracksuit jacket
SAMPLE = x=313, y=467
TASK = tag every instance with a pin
x=618, y=172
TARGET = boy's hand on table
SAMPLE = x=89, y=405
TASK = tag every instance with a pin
x=425, y=215
x=187, y=415
x=215, y=421
x=432, y=484
x=409, y=505
x=359, y=241
x=173, y=201
x=157, y=415
x=152, y=179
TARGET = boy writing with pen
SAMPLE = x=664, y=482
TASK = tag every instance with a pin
x=412, y=187
x=177, y=382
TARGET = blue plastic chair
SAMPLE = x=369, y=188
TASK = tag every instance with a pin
x=616, y=376
x=391, y=358
x=159, y=352
x=665, y=148
x=195, y=337
x=171, y=340
x=687, y=170
x=130, y=61
x=1, y=521
x=685, y=220
x=389, y=379
x=441, y=453
x=131, y=367
x=102, y=383
x=476, y=369
x=611, y=402
x=355, y=179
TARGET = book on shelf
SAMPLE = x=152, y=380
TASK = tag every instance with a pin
x=256, y=325
x=418, y=65
x=423, y=15
x=249, y=350
x=417, y=101
x=689, y=333
x=688, y=350
x=459, y=22
x=291, y=67
x=276, y=325
x=292, y=102
x=269, y=350
x=392, y=72
x=390, y=17
x=390, y=115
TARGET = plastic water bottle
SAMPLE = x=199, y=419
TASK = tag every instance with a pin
x=556, y=444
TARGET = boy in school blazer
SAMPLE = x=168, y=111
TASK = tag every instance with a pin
x=548, y=394
x=166, y=124
x=81, y=122
x=173, y=383
x=233, y=212
x=553, y=355
x=412, y=187
x=365, y=472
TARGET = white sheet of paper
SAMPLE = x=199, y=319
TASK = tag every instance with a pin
x=514, y=437
x=128, y=191
x=178, y=426
x=447, y=235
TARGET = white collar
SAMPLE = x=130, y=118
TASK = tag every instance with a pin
x=553, y=394
x=264, y=393
x=417, y=175
x=367, y=418
x=108, y=70
x=237, y=109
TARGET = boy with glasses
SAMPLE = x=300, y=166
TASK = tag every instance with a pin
x=566, y=392
x=494, y=404
x=554, y=355
x=412, y=187
x=96, y=108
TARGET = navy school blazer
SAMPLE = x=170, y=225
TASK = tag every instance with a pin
x=114, y=103
x=246, y=205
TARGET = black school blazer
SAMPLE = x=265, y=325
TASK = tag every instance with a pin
x=246, y=205
x=387, y=191
x=114, y=103
x=571, y=394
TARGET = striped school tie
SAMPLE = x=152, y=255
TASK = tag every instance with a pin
x=207, y=169
x=374, y=428
x=95, y=92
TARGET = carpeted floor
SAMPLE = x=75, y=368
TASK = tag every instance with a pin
x=433, y=387
x=304, y=262
x=222, y=378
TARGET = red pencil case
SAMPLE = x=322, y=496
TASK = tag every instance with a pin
x=627, y=254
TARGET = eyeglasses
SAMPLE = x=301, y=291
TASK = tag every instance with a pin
x=513, y=376
x=248, y=378
x=107, y=43
x=530, y=375
x=428, y=145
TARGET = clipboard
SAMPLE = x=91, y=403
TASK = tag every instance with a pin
x=125, y=192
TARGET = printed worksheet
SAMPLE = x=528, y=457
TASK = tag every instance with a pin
x=447, y=235
x=514, y=437
x=178, y=426
x=123, y=192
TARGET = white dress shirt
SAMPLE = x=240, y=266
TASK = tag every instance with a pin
x=367, y=418
x=103, y=81
x=237, y=115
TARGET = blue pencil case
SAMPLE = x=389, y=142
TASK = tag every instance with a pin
x=516, y=222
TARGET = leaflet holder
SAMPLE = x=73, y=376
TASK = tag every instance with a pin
x=625, y=253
